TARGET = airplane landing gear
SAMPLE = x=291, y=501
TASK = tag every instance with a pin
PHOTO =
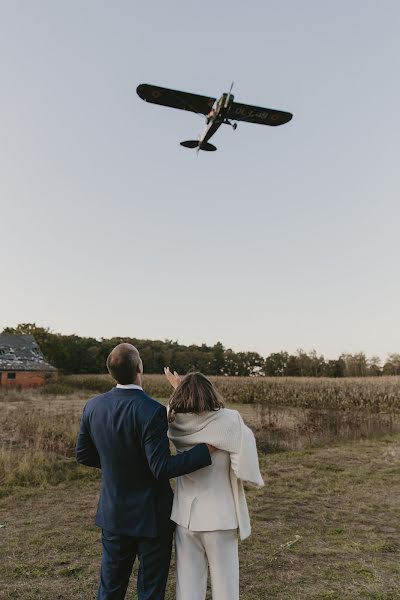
x=233, y=125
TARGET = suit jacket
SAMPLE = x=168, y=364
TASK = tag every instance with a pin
x=124, y=433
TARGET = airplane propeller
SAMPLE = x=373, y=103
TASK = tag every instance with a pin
x=229, y=95
x=227, y=122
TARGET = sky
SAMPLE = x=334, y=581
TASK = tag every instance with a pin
x=285, y=238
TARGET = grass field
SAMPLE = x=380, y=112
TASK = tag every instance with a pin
x=340, y=497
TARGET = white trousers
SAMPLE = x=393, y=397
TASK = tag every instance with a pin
x=195, y=550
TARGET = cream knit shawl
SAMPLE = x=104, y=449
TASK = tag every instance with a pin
x=226, y=430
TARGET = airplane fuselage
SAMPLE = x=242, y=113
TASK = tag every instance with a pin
x=215, y=118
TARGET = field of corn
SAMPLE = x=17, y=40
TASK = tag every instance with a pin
x=371, y=393
x=292, y=413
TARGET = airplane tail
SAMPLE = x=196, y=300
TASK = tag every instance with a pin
x=190, y=144
x=195, y=144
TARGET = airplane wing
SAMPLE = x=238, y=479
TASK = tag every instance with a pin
x=256, y=114
x=175, y=99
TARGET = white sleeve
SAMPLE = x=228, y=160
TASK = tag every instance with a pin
x=245, y=463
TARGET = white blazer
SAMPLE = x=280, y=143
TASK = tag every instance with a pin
x=213, y=498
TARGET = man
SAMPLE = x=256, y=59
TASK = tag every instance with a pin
x=124, y=432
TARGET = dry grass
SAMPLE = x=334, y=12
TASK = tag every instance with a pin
x=342, y=501
x=38, y=432
x=37, y=440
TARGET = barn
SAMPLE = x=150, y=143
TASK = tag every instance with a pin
x=21, y=362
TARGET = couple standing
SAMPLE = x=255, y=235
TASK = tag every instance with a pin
x=126, y=434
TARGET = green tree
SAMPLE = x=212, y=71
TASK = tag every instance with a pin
x=335, y=368
x=218, y=359
x=374, y=366
x=356, y=364
x=392, y=365
x=276, y=364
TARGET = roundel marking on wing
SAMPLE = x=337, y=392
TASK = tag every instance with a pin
x=155, y=94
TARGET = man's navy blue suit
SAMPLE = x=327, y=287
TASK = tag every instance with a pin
x=124, y=433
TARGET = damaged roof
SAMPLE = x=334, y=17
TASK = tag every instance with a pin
x=21, y=353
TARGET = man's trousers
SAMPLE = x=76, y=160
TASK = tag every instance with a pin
x=197, y=550
x=119, y=554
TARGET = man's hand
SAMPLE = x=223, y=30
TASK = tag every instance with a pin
x=173, y=378
x=211, y=449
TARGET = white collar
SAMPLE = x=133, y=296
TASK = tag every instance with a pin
x=129, y=386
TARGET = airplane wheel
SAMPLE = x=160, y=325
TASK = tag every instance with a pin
x=234, y=126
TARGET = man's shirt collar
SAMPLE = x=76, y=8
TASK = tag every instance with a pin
x=129, y=386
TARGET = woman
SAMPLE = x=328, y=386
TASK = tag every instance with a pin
x=210, y=504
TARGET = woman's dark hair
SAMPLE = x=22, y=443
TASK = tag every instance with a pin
x=195, y=394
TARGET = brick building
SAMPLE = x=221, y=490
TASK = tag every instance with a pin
x=21, y=362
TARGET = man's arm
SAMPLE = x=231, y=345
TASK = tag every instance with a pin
x=85, y=451
x=156, y=446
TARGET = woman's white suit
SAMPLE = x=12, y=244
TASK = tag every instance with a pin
x=210, y=504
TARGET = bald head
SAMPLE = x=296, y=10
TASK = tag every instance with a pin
x=124, y=364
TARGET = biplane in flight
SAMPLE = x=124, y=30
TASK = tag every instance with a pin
x=217, y=112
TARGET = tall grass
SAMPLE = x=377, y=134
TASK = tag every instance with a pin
x=38, y=428
x=20, y=468
x=37, y=444
x=41, y=429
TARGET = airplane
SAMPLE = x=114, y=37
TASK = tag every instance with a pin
x=217, y=112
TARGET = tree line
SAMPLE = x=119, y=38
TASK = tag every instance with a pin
x=76, y=354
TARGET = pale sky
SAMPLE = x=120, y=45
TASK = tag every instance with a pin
x=284, y=238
